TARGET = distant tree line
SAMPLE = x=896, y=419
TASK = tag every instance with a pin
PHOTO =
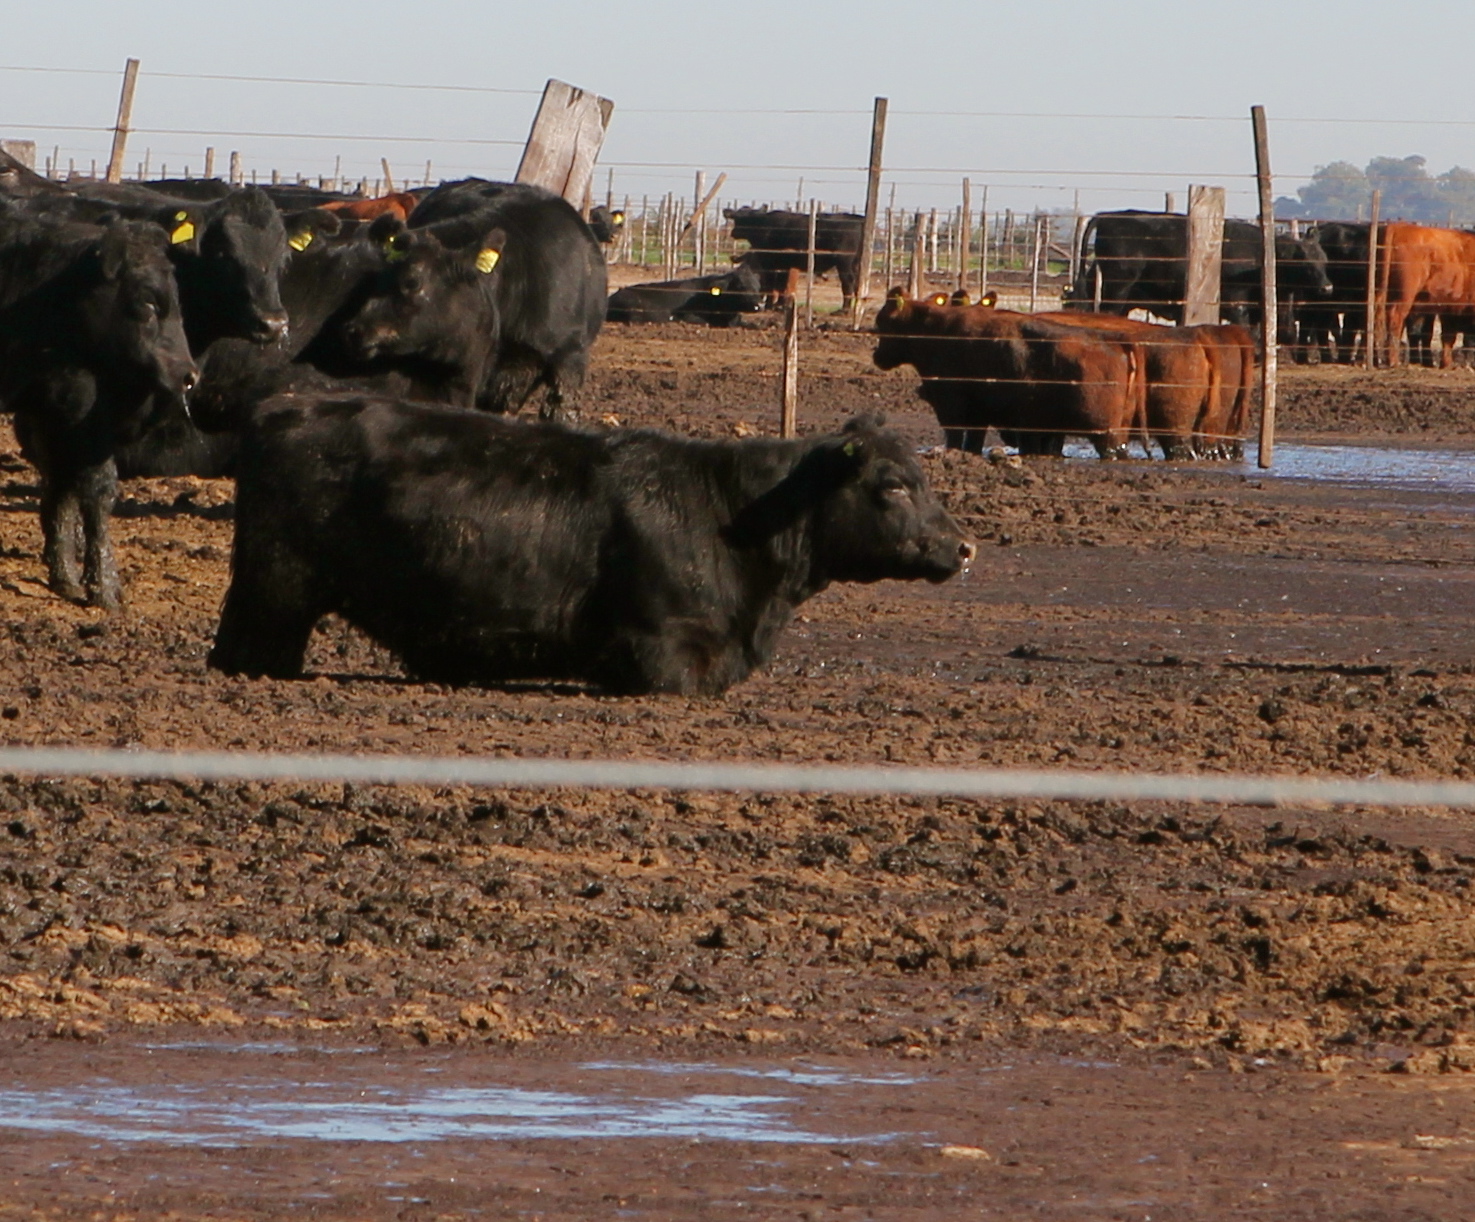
x=1342, y=192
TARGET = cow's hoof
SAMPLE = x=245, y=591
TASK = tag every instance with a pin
x=106, y=598
x=68, y=588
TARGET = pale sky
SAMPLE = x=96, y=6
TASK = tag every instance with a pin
x=1036, y=100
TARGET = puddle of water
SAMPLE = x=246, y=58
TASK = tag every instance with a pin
x=814, y=1075
x=1381, y=466
x=231, y=1113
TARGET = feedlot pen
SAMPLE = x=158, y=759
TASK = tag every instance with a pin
x=1144, y=1008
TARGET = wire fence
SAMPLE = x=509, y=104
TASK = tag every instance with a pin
x=982, y=784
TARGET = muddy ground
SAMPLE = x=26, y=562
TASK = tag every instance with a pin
x=1122, y=616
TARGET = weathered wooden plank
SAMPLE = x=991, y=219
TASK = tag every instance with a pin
x=564, y=143
x=1205, y=255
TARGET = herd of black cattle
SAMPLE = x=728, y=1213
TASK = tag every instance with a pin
x=357, y=365
x=360, y=378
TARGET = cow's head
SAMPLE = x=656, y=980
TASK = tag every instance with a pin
x=130, y=319
x=1300, y=265
x=871, y=514
x=230, y=256
x=426, y=294
x=876, y=516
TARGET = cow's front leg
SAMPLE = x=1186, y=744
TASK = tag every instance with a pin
x=61, y=531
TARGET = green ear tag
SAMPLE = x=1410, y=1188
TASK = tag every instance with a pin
x=300, y=241
x=850, y=449
x=487, y=259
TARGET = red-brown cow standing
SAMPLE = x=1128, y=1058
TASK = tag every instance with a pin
x=1426, y=272
x=1035, y=381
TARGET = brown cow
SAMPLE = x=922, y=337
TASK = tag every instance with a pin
x=1035, y=381
x=1426, y=272
x=1182, y=375
x=399, y=204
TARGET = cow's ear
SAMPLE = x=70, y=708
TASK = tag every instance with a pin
x=990, y=299
x=306, y=227
x=489, y=252
x=183, y=225
x=897, y=300
x=385, y=228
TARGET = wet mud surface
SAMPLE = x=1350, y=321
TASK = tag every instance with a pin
x=1253, y=975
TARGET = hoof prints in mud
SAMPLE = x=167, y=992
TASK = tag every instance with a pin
x=817, y=923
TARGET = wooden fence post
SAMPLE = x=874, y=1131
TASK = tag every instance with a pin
x=1205, y=255
x=932, y=241
x=1269, y=322
x=210, y=162
x=919, y=255
x=886, y=251
x=699, y=222
x=809, y=264
x=125, y=119
x=965, y=234
x=1036, y=247
x=983, y=242
x=868, y=224
x=1370, y=323
x=788, y=421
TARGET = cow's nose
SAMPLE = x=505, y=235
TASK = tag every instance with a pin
x=966, y=552
x=273, y=326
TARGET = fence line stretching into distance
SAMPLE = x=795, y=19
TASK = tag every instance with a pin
x=522, y=773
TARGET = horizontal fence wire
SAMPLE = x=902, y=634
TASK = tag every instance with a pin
x=1078, y=786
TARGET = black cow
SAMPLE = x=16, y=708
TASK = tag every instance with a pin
x=549, y=290
x=432, y=313
x=1142, y=259
x=91, y=347
x=779, y=241
x=718, y=300
x=605, y=223
x=228, y=253
x=1339, y=318
x=484, y=550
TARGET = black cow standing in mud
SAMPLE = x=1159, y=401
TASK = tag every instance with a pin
x=487, y=550
x=779, y=243
x=92, y=349
x=1142, y=260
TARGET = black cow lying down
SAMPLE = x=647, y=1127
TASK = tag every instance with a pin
x=485, y=550
x=718, y=301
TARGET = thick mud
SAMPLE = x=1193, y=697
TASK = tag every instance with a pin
x=1122, y=616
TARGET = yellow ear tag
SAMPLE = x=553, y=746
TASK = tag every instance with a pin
x=181, y=216
x=183, y=233
x=849, y=449
x=487, y=259
x=716, y=290
x=618, y=218
x=939, y=299
x=300, y=241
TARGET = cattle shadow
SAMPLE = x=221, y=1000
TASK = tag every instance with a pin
x=508, y=687
x=183, y=506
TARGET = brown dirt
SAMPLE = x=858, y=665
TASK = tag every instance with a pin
x=1122, y=616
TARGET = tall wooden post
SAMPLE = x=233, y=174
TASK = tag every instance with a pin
x=868, y=224
x=919, y=253
x=983, y=243
x=1205, y=255
x=699, y=220
x=809, y=264
x=1036, y=245
x=887, y=256
x=236, y=178
x=965, y=235
x=1370, y=322
x=210, y=162
x=1269, y=322
x=125, y=119
x=788, y=421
